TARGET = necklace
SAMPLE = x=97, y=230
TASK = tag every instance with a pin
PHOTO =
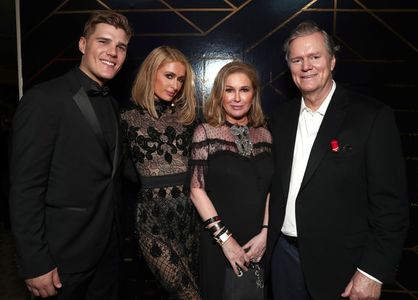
x=242, y=139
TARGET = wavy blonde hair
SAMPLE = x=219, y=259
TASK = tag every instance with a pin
x=143, y=88
x=213, y=110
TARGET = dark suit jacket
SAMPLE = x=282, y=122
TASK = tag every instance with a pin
x=352, y=207
x=63, y=179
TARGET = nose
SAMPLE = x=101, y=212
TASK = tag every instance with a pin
x=306, y=65
x=237, y=97
x=175, y=85
x=111, y=51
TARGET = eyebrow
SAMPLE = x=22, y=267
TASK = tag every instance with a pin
x=109, y=39
x=243, y=86
x=173, y=73
x=309, y=54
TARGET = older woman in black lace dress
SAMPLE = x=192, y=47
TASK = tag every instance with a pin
x=231, y=169
x=158, y=128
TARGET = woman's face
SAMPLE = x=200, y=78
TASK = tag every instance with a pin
x=169, y=80
x=237, y=98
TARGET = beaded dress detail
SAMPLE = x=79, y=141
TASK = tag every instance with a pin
x=166, y=220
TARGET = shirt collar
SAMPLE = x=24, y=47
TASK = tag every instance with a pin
x=323, y=108
x=89, y=84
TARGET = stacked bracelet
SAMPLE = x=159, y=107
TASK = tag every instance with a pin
x=217, y=230
x=211, y=220
x=222, y=236
x=216, y=227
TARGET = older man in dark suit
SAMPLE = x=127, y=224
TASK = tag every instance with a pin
x=338, y=206
x=66, y=153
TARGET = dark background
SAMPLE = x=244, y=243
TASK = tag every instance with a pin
x=378, y=57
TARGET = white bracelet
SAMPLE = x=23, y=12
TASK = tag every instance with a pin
x=221, y=240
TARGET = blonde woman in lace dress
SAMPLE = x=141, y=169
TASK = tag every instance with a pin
x=158, y=128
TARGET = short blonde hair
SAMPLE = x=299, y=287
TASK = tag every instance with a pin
x=214, y=111
x=143, y=88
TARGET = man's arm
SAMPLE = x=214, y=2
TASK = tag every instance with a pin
x=388, y=199
x=32, y=147
x=387, y=209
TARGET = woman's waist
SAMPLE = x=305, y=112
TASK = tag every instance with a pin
x=150, y=182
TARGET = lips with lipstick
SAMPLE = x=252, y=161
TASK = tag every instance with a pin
x=171, y=94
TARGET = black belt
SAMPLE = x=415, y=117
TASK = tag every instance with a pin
x=292, y=240
x=150, y=182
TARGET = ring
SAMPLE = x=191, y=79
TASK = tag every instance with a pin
x=240, y=273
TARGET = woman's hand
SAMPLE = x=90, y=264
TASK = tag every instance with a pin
x=235, y=255
x=256, y=247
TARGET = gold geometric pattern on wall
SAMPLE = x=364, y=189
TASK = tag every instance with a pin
x=228, y=8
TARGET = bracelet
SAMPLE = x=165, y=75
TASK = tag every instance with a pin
x=215, y=227
x=223, y=237
x=220, y=233
x=211, y=220
x=264, y=226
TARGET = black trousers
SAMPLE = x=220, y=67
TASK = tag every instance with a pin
x=100, y=282
x=287, y=278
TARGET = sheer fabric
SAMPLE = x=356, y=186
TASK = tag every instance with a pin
x=209, y=140
x=166, y=220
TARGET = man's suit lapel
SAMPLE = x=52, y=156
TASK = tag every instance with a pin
x=83, y=102
x=330, y=126
x=116, y=157
x=288, y=127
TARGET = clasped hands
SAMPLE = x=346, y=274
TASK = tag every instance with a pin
x=240, y=257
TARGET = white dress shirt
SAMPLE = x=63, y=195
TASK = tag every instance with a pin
x=308, y=126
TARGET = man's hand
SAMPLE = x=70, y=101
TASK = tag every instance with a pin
x=44, y=285
x=361, y=287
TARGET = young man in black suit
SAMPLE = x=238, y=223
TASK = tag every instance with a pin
x=338, y=205
x=65, y=160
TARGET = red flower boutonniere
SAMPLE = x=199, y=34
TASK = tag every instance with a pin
x=334, y=145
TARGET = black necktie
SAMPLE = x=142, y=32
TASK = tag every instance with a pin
x=96, y=89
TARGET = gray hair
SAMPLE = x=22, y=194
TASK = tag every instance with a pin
x=307, y=28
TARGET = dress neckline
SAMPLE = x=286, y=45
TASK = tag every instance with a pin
x=162, y=106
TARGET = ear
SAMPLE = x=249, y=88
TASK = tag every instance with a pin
x=333, y=63
x=82, y=44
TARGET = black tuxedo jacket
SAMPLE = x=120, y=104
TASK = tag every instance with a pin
x=64, y=182
x=352, y=207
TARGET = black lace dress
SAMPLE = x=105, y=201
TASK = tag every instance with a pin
x=237, y=185
x=166, y=220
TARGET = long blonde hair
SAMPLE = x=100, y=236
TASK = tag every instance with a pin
x=214, y=111
x=143, y=87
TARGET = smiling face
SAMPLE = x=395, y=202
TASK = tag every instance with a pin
x=311, y=66
x=169, y=80
x=104, y=52
x=237, y=98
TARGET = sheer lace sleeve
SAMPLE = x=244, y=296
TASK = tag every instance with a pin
x=198, y=159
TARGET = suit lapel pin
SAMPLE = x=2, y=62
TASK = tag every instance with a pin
x=334, y=145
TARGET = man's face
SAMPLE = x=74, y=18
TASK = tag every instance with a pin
x=104, y=52
x=311, y=65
